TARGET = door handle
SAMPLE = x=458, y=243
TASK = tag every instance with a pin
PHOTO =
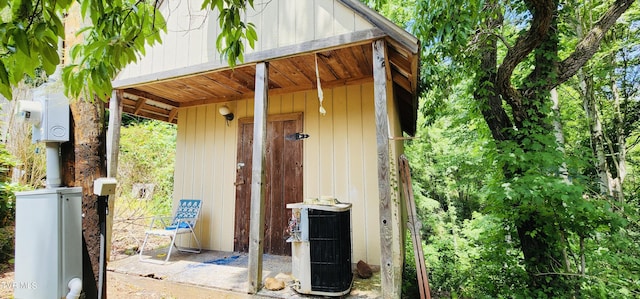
x=238, y=183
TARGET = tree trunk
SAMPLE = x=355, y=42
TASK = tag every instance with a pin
x=87, y=164
x=557, y=128
x=90, y=164
x=597, y=136
x=525, y=136
x=620, y=146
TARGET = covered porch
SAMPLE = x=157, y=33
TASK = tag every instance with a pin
x=219, y=274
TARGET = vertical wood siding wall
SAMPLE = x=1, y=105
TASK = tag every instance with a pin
x=339, y=160
x=192, y=33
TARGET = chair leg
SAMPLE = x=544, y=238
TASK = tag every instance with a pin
x=146, y=236
x=173, y=242
x=185, y=249
x=197, y=242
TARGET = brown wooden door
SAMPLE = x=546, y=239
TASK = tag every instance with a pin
x=283, y=183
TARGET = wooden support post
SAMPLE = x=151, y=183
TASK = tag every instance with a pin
x=113, y=150
x=391, y=261
x=256, y=230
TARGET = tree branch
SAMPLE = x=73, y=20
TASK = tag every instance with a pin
x=589, y=45
x=487, y=93
x=542, y=11
x=477, y=39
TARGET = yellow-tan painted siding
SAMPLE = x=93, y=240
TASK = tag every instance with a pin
x=191, y=33
x=339, y=160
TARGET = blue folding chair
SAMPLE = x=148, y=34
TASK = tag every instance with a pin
x=183, y=222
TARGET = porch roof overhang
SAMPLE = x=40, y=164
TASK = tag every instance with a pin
x=342, y=60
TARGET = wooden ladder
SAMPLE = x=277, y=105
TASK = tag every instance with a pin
x=414, y=225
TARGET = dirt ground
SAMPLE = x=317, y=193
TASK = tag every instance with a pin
x=134, y=287
x=128, y=235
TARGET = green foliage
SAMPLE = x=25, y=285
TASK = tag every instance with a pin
x=29, y=33
x=118, y=35
x=7, y=199
x=233, y=30
x=445, y=34
x=119, y=31
x=7, y=237
x=614, y=263
x=476, y=194
x=147, y=156
x=7, y=205
x=497, y=269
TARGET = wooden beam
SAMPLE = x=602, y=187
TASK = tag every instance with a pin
x=279, y=91
x=400, y=61
x=150, y=96
x=390, y=263
x=415, y=63
x=256, y=226
x=401, y=80
x=339, y=41
x=172, y=115
x=150, y=115
x=113, y=150
x=139, y=105
x=130, y=108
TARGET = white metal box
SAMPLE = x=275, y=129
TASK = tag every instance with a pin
x=54, y=125
x=48, y=251
x=104, y=186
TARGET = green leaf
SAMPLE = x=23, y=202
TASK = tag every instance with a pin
x=41, y=30
x=251, y=35
x=22, y=42
x=57, y=26
x=48, y=67
x=50, y=54
x=84, y=7
x=4, y=75
x=5, y=86
x=50, y=61
x=84, y=29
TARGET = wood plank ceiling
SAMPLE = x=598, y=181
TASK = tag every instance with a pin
x=341, y=66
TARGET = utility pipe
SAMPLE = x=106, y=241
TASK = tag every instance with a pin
x=75, y=288
x=53, y=165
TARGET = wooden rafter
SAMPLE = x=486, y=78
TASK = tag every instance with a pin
x=151, y=96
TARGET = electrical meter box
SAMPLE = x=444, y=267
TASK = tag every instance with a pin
x=54, y=124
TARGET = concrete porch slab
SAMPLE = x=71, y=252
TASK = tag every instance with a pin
x=225, y=272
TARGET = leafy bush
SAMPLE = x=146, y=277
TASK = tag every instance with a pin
x=7, y=236
x=7, y=199
x=7, y=205
x=147, y=156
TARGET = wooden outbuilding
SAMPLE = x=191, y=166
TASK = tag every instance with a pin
x=246, y=169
